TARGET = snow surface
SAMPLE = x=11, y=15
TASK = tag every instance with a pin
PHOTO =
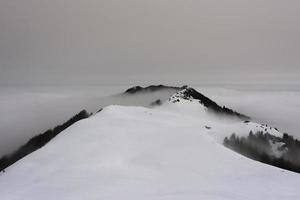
x=129, y=152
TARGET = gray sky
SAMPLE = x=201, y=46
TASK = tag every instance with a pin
x=110, y=41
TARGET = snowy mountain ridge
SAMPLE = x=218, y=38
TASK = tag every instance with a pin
x=171, y=151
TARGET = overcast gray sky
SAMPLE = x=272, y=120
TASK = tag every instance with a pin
x=110, y=41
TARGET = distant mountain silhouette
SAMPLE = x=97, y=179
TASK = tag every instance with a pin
x=151, y=88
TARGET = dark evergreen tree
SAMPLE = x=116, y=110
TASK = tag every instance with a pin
x=39, y=141
x=257, y=146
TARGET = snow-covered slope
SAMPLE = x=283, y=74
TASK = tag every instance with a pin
x=29, y=112
x=171, y=151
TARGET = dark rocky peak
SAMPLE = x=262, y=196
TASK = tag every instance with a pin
x=188, y=93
